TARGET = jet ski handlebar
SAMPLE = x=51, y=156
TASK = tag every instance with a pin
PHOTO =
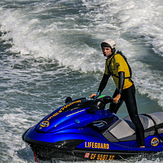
x=103, y=99
x=99, y=103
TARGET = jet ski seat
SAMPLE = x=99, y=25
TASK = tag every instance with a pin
x=124, y=129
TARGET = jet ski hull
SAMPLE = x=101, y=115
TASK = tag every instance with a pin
x=87, y=149
x=49, y=153
x=83, y=129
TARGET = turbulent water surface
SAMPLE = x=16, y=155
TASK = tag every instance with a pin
x=51, y=49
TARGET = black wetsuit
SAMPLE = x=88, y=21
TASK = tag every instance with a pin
x=128, y=95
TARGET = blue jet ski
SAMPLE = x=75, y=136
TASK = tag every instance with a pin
x=84, y=129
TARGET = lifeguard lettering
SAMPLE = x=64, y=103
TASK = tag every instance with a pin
x=96, y=145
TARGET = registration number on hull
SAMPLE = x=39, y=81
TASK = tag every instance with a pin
x=95, y=156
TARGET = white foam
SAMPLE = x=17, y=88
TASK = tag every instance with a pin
x=148, y=82
x=44, y=39
x=31, y=37
x=138, y=18
x=75, y=43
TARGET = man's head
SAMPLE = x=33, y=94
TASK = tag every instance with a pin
x=108, y=47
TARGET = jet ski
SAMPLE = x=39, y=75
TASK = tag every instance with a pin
x=84, y=129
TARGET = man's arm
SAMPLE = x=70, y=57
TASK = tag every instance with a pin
x=103, y=83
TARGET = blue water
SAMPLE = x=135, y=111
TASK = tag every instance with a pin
x=51, y=49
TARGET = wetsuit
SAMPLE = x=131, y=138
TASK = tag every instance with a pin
x=117, y=67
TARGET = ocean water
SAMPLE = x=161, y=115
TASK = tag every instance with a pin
x=51, y=49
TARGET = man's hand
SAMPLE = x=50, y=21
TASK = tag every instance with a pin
x=94, y=94
x=116, y=99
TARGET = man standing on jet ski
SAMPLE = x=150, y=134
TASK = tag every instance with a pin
x=117, y=66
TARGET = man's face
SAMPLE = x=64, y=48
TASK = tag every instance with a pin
x=106, y=51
